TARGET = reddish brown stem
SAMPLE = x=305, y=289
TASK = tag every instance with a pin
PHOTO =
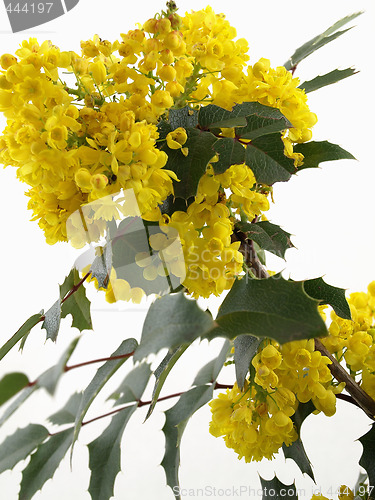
x=100, y=360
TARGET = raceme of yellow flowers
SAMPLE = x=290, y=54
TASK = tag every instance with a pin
x=256, y=421
x=82, y=127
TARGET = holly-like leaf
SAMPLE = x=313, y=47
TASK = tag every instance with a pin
x=134, y=384
x=212, y=116
x=317, y=152
x=172, y=320
x=67, y=414
x=319, y=41
x=52, y=320
x=44, y=463
x=265, y=156
x=268, y=236
x=163, y=129
x=105, y=456
x=328, y=294
x=230, y=152
x=78, y=305
x=11, y=384
x=20, y=445
x=262, y=120
x=245, y=348
x=20, y=333
x=104, y=373
x=271, y=307
x=327, y=79
x=176, y=419
x=367, y=460
x=162, y=371
x=209, y=372
x=276, y=490
x=172, y=204
x=189, y=169
x=296, y=451
x=183, y=117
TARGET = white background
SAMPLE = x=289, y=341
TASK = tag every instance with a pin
x=330, y=211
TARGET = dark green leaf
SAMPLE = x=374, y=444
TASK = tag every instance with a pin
x=44, y=463
x=20, y=333
x=162, y=371
x=163, y=129
x=172, y=204
x=296, y=451
x=67, y=414
x=101, y=377
x=78, y=305
x=271, y=307
x=209, y=372
x=20, y=445
x=134, y=384
x=105, y=456
x=189, y=169
x=176, y=419
x=262, y=120
x=265, y=156
x=230, y=151
x=245, y=348
x=367, y=460
x=318, y=152
x=101, y=267
x=328, y=294
x=10, y=384
x=52, y=320
x=268, y=236
x=327, y=79
x=183, y=117
x=276, y=490
x=171, y=321
x=213, y=116
x=319, y=41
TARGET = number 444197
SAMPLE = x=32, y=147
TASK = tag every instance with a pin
x=32, y=8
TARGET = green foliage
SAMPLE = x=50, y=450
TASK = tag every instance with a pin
x=22, y=332
x=101, y=267
x=328, y=294
x=276, y=490
x=245, y=348
x=133, y=385
x=171, y=321
x=209, y=372
x=327, y=79
x=11, y=384
x=271, y=307
x=319, y=41
x=78, y=305
x=52, y=320
x=230, y=152
x=367, y=460
x=268, y=236
x=317, y=152
x=67, y=414
x=183, y=117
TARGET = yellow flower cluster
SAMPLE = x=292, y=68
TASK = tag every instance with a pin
x=256, y=422
x=354, y=341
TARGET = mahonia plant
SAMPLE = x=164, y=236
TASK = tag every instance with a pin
x=157, y=154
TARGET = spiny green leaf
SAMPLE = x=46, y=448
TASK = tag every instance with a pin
x=20, y=333
x=319, y=41
x=105, y=456
x=213, y=116
x=296, y=451
x=67, y=414
x=134, y=384
x=262, y=120
x=163, y=129
x=189, y=169
x=162, y=371
x=276, y=490
x=20, y=445
x=327, y=79
x=78, y=305
x=209, y=372
x=245, y=348
x=317, y=152
x=230, y=152
x=328, y=294
x=101, y=377
x=271, y=307
x=11, y=384
x=265, y=156
x=176, y=419
x=171, y=321
x=52, y=320
x=183, y=117
x=44, y=463
x=367, y=460
x=268, y=236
